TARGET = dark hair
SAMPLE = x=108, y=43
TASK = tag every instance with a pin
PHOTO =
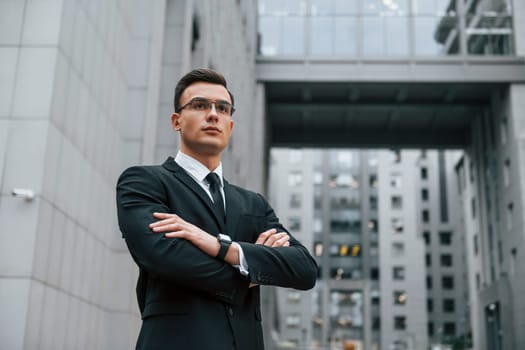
x=195, y=76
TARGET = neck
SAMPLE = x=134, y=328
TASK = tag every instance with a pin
x=210, y=161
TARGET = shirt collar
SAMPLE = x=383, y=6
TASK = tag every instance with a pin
x=195, y=168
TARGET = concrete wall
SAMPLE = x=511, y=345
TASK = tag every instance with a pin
x=81, y=97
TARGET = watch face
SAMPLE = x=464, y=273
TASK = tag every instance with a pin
x=223, y=237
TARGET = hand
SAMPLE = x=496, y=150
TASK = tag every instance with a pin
x=273, y=239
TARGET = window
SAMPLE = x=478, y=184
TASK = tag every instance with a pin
x=424, y=194
x=424, y=173
x=449, y=305
x=293, y=321
x=373, y=180
x=430, y=329
x=398, y=248
x=294, y=297
x=473, y=207
x=295, y=200
x=445, y=238
x=396, y=156
x=447, y=282
x=446, y=260
x=318, y=249
x=295, y=223
x=400, y=322
x=376, y=323
x=506, y=173
x=449, y=328
x=430, y=305
x=425, y=216
x=295, y=156
x=318, y=178
x=428, y=260
x=373, y=202
x=374, y=273
x=398, y=273
x=510, y=214
x=504, y=131
x=400, y=297
x=295, y=179
x=476, y=244
x=426, y=237
x=396, y=202
x=429, y=282
x=397, y=225
x=395, y=180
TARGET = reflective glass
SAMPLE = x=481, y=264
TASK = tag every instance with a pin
x=397, y=36
x=279, y=7
x=373, y=39
x=270, y=29
x=430, y=7
x=435, y=35
x=489, y=34
x=292, y=36
x=322, y=36
x=345, y=36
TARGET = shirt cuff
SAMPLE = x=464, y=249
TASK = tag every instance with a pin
x=243, y=264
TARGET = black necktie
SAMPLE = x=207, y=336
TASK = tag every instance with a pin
x=215, y=184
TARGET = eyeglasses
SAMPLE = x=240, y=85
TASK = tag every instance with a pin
x=204, y=104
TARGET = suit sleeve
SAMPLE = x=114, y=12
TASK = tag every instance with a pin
x=140, y=193
x=291, y=267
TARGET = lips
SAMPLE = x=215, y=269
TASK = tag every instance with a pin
x=211, y=128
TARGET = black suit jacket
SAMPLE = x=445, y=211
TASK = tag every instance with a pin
x=189, y=300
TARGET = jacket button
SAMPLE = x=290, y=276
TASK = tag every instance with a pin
x=230, y=311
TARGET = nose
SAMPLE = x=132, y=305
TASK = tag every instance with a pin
x=212, y=113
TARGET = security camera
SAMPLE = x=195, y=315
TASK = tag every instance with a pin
x=24, y=193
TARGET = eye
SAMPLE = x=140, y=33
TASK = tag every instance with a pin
x=200, y=105
x=223, y=108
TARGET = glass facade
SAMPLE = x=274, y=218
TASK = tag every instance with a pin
x=384, y=28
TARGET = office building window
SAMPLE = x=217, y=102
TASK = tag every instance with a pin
x=430, y=329
x=295, y=156
x=400, y=323
x=447, y=282
x=397, y=225
x=429, y=282
x=372, y=225
x=374, y=273
x=449, y=305
x=396, y=180
x=478, y=281
x=318, y=178
x=446, y=260
x=476, y=244
x=503, y=131
x=506, y=173
x=373, y=180
x=295, y=223
x=295, y=179
x=449, y=328
x=400, y=297
x=510, y=214
x=396, y=202
x=373, y=202
x=295, y=200
x=294, y=297
x=424, y=194
x=430, y=305
x=473, y=207
x=428, y=260
x=445, y=238
x=424, y=173
x=376, y=323
x=398, y=273
x=425, y=216
x=293, y=321
x=426, y=237
x=318, y=249
x=396, y=156
x=398, y=248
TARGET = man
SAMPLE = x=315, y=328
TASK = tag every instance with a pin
x=203, y=246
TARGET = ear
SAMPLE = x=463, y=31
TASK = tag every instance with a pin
x=175, y=121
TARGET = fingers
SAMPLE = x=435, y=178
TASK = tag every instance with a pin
x=167, y=222
x=264, y=236
x=272, y=238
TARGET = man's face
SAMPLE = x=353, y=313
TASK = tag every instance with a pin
x=204, y=132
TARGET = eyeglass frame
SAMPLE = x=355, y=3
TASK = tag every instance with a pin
x=210, y=101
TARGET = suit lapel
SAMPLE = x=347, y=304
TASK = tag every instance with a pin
x=189, y=182
x=233, y=209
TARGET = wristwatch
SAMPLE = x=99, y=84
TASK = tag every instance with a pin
x=225, y=242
